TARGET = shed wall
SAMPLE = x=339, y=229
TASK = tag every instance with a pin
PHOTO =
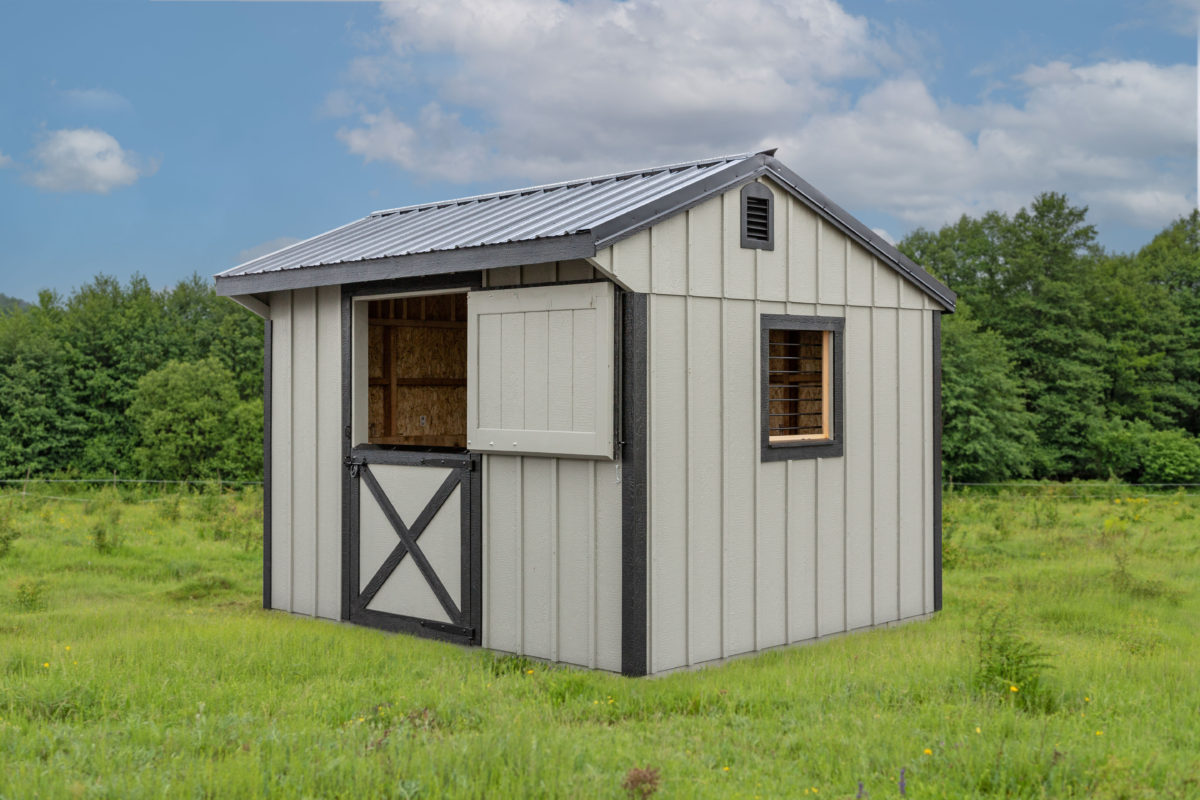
x=306, y=477
x=747, y=555
x=552, y=539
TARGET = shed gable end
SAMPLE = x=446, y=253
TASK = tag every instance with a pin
x=699, y=252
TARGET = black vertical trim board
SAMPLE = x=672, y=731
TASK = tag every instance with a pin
x=937, y=461
x=473, y=572
x=349, y=485
x=634, y=566
x=267, y=464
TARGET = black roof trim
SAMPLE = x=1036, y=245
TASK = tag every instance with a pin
x=441, y=262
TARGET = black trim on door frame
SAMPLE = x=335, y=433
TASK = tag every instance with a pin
x=467, y=611
x=472, y=558
x=634, y=566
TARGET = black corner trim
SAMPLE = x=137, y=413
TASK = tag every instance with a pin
x=758, y=239
x=937, y=461
x=799, y=450
x=266, y=580
x=634, y=556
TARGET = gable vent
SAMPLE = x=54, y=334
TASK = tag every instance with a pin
x=758, y=219
x=758, y=230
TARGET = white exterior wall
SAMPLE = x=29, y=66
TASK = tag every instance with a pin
x=746, y=555
x=306, y=468
x=552, y=540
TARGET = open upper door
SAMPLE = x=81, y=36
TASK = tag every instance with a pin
x=540, y=370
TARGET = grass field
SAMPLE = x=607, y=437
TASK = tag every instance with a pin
x=135, y=662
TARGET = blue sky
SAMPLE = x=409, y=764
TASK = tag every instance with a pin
x=167, y=138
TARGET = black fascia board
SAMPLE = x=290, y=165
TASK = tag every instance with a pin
x=848, y=224
x=464, y=259
x=719, y=180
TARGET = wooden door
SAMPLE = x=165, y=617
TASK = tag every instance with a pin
x=415, y=543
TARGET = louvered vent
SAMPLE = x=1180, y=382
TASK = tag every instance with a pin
x=758, y=219
x=757, y=231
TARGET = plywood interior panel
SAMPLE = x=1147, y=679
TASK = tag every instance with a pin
x=417, y=371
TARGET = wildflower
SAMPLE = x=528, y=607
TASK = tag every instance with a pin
x=903, y=782
x=928, y=752
x=726, y=769
x=1013, y=689
x=528, y=672
x=1099, y=733
x=1117, y=500
x=595, y=702
x=1087, y=699
x=46, y=664
x=68, y=648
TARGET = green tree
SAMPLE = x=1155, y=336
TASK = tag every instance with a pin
x=987, y=433
x=187, y=418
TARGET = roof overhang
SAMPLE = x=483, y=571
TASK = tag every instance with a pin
x=441, y=262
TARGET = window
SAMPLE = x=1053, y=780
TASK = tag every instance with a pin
x=417, y=371
x=801, y=365
x=758, y=217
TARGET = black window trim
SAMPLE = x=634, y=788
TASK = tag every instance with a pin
x=812, y=448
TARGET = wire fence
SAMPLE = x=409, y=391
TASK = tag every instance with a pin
x=133, y=490
x=1074, y=489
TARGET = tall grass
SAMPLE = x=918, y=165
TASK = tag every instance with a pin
x=148, y=670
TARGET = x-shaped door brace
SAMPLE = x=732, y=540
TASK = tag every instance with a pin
x=408, y=542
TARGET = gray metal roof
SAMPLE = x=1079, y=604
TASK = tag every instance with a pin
x=559, y=221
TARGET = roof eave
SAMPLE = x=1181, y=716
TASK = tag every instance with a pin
x=442, y=262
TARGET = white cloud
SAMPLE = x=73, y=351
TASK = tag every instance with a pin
x=85, y=160
x=533, y=90
x=551, y=88
x=251, y=253
x=5, y=161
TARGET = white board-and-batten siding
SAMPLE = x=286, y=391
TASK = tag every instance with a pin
x=744, y=554
x=551, y=539
x=306, y=451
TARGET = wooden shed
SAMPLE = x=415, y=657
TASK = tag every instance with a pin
x=636, y=422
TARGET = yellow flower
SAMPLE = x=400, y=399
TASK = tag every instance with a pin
x=595, y=702
x=1087, y=699
x=68, y=648
x=928, y=752
x=1117, y=500
x=528, y=672
x=46, y=664
x=977, y=729
x=1099, y=733
x=725, y=768
x=1013, y=689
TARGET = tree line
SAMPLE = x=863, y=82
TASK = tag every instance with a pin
x=131, y=381
x=1063, y=361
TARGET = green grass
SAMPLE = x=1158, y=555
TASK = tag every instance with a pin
x=145, y=668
